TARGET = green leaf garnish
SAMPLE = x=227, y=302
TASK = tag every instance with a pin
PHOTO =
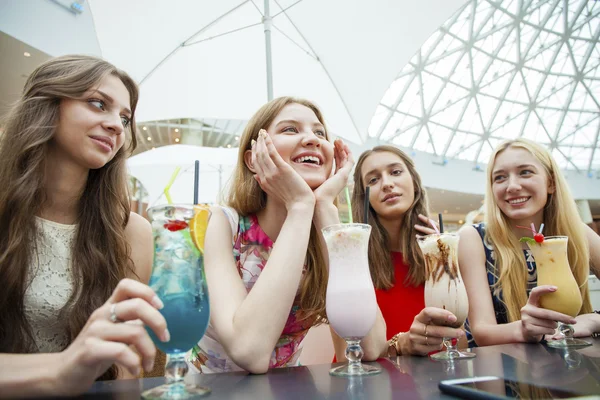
x=527, y=240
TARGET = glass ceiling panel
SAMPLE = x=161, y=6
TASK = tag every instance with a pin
x=501, y=69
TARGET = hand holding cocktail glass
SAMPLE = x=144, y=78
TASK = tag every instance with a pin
x=553, y=271
x=444, y=287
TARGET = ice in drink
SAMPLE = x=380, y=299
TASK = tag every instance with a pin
x=351, y=303
x=177, y=276
x=552, y=266
x=444, y=287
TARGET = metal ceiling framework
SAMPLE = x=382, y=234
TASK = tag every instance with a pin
x=498, y=70
x=208, y=132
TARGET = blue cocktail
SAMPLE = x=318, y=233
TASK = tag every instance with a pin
x=178, y=280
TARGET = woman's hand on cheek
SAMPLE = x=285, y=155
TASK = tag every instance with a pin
x=344, y=162
x=276, y=177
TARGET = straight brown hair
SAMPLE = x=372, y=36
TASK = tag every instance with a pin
x=380, y=259
x=100, y=254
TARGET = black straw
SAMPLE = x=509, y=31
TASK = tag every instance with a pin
x=196, y=179
x=367, y=191
x=441, y=223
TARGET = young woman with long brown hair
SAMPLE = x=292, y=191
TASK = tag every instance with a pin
x=264, y=261
x=524, y=186
x=71, y=253
x=398, y=210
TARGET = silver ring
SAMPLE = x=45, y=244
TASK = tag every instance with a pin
x=113, y=315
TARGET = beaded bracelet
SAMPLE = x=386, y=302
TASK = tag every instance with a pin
x=596, y=334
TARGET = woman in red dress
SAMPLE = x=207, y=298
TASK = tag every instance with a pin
x=397, y=211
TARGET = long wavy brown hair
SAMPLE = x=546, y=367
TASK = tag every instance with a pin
x=247, y=197
x=100, y=254
x=380, y=259
x=561, y=218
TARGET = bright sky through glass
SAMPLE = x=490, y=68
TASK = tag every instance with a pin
x=498, y=70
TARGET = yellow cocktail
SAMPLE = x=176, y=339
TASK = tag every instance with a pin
x=553, y=269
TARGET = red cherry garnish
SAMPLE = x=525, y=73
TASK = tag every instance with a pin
x=175, y=226
x=538, y=237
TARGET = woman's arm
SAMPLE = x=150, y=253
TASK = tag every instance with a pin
x=29, y=375
x=248, y=325
x=259, y=316
x=594, y=246
x=139, y=236
x=535, y=321
x=100, y=344
x=482, y=318
x=326, y=213
x=374, y=345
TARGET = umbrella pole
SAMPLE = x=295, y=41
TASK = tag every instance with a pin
x=267, y=24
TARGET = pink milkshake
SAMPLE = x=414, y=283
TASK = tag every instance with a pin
x=351, y=303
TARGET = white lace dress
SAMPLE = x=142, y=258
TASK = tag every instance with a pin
x=51, y=285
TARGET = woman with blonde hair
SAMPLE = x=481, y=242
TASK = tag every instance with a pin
x=398, y=210
x=71, y=253
x=264, y=261
x=524, y=186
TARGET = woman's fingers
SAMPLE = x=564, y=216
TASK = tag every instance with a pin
x=128, y=334
x=442, y=332
x=138, y=309
x=274, y=157
x=426, y=225
x=436, y=316
x=129, y=289
x=541, y=313
x=424, y=229
x=100, y=351
x=257, y=167
x=264, y=156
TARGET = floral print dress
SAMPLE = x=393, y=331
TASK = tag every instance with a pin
x=251, y=250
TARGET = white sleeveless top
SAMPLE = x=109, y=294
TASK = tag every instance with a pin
x=50, y=284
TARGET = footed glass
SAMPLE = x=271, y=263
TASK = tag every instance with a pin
x=351, y=303
x=552, y=264
x=444, y=287
x=178, y=280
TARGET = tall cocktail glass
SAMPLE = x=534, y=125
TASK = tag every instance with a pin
x=178, y=280
x=444, y=287
x=351, y=303
x=553, y=268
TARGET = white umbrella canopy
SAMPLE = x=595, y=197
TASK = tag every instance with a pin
x=155, y=168
x=207, y=59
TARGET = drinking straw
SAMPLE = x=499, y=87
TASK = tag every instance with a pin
x=196, y=179
x=367, y=192
x=541, y=228
x=349, y=204
x=533, y=228
x=168, y=187
x=441, y=223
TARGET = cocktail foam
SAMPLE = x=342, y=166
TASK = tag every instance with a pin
x=430, y=244
x=348, y=240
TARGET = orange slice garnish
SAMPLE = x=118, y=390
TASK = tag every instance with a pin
x=198, y=225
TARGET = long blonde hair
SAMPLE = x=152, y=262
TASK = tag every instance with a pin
x=100, y=254
x=247, y=197
x=380, y=259
x=560, y=218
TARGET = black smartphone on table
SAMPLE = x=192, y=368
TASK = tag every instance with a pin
x=493, y=387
